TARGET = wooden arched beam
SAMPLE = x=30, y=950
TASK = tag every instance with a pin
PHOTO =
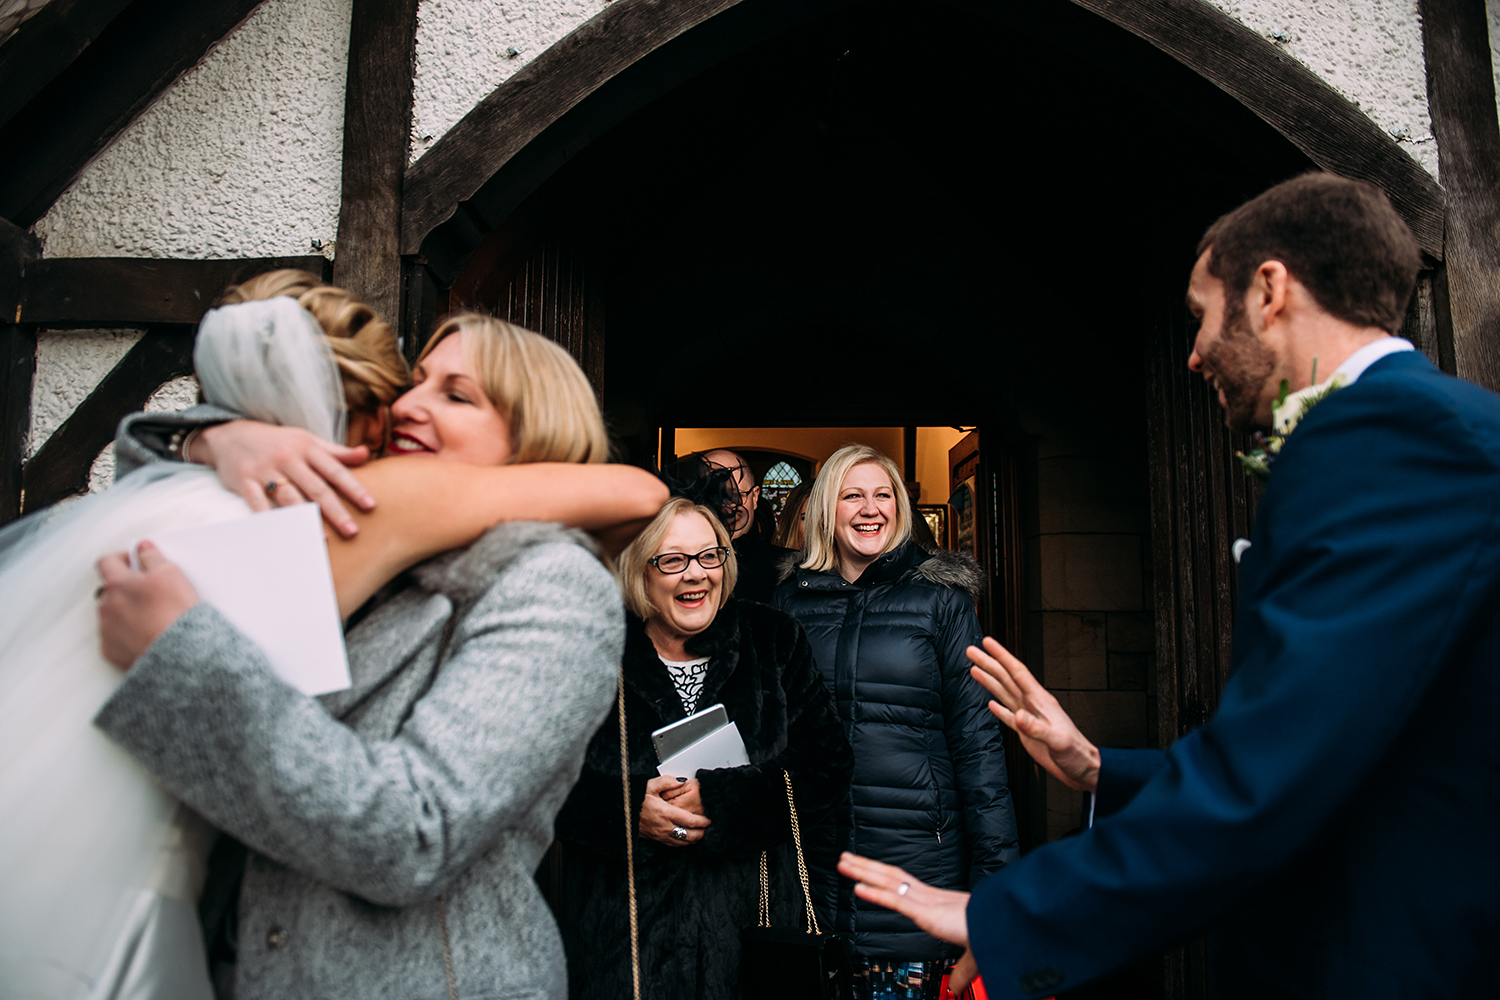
x=614, y=50
x=605, y=69
x=1314, y=117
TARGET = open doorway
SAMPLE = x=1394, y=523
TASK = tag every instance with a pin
x=859, y=223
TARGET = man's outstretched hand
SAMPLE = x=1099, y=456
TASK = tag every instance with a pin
x=1025, y=706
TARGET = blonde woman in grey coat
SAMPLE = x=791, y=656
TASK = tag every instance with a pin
x=393, y=828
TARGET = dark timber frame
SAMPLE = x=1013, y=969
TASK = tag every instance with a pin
x=84, y=70
x=377, y=134
x=1461, y=99
x=165, y=298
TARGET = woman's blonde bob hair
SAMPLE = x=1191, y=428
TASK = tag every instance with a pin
x=820, y=550
x=536, y=385
x=633, y=565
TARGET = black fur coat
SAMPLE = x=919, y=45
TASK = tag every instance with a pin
x=692, y=901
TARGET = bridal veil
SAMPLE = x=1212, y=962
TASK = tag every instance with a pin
x=100, y=868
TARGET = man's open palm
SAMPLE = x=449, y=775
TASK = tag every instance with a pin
x=1025, y=706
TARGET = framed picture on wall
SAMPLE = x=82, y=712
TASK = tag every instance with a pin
x=962, y=501
x=936, y=516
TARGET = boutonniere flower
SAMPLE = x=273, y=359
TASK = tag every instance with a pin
x=1286, y=413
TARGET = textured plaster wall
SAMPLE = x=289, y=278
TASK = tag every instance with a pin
x=467, y=48
x=1492, y=8
x=1370, y=51
x=240, y=158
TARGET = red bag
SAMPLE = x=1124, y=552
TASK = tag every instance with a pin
x=974, y=992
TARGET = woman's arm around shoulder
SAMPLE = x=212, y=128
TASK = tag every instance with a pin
x=428, y=506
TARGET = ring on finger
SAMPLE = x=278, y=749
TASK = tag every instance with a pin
x=679, y=833
x=272, y=486
x=99, y=591
x=903, y=888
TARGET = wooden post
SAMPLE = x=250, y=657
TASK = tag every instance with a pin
x=17, y=365
x=377, y=127
x=1461, y=98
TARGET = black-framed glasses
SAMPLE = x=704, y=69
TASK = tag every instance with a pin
x=672, y=563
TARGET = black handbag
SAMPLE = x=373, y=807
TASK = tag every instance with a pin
x=792, y=963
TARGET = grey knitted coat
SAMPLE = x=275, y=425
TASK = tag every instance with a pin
x=397, y=823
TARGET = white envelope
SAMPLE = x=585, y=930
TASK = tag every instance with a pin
x=721, y=748
x=269, y=575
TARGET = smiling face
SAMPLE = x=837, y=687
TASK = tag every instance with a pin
x=687, y=602
x=1229, y=354
x=446, y=414
x=865, y=518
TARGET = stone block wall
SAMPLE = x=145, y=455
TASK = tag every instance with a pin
x=1090, y=627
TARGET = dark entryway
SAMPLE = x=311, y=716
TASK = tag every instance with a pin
x=871, y=220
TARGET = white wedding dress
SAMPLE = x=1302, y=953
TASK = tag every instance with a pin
x=100, y=868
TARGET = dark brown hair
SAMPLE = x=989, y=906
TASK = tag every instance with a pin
x=1340, y=238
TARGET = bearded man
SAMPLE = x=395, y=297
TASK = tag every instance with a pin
x=1334, y=825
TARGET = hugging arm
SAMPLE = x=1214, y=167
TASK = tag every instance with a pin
x=428, y=506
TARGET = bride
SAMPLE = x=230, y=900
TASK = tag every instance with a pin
x=100, y=867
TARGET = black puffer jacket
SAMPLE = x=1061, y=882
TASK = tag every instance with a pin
x=930, y=792
x=693, y=900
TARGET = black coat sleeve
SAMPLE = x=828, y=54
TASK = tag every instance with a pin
x=975, y=745
x=747, y=805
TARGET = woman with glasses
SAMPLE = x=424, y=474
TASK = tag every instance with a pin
x=697, y=838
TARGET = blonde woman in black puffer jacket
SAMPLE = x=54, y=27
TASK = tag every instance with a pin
x=889, y=623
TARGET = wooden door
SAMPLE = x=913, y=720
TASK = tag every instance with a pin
x=1201, y=501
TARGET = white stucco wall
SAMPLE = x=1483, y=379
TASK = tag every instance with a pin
x=467, y=48
x=1370, y=51
x=240, y=158
x=1492, y=8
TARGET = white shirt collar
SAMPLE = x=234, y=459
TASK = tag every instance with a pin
x=1355, y=364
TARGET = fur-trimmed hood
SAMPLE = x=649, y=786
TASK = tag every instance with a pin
x=939, y=566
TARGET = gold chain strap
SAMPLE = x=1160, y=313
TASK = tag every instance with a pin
x=791, y=804
x=635, y=933
x=765, y=893
x=765, y=879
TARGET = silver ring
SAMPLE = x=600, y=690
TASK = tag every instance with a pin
x=679, y=832
x=903, y=888
x=99, y=592
x=271, y=487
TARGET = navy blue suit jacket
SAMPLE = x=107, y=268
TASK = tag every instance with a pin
x=1337, y=822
